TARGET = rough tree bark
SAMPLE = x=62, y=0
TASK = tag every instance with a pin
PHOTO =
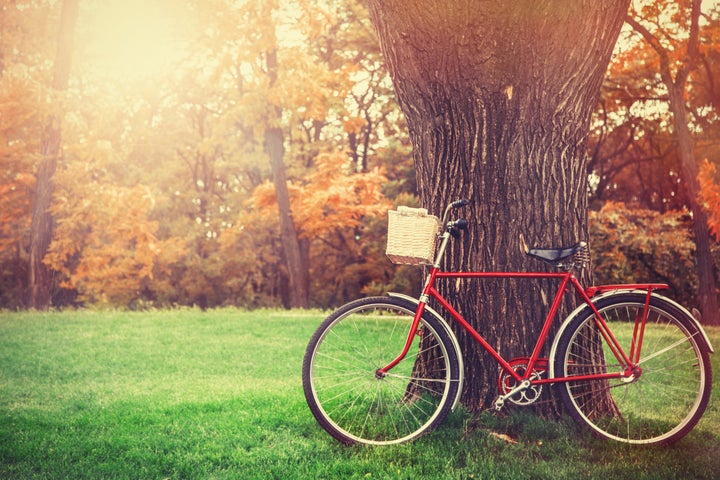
x=707, y=289
x=40, y=275
x=498, y=97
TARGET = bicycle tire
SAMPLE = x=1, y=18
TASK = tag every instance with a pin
x=665, y=401
x=339, y=373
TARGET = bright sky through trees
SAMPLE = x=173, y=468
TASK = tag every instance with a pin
x=130, y=40
x=143, y=41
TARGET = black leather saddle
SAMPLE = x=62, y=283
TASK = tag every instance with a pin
x=555, y=255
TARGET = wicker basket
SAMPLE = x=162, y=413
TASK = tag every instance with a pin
x=411, y=236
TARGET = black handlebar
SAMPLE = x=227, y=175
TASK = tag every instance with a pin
x=461, y=224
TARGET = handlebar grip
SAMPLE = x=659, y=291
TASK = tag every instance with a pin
x=460, y=203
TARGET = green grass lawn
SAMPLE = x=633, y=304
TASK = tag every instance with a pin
x=191, y=394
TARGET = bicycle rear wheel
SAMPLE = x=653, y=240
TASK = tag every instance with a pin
x=339, y=373
x=659, y=405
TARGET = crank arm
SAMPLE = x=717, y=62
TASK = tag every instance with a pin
x=524, y=385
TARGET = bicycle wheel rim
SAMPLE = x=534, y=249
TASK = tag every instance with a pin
x=356, y=406
x=659, y=406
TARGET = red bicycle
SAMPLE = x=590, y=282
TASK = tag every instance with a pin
x=630, y=364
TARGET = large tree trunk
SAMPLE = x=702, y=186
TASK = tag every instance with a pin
x=498, y=97
x=40, y=275
x=707, y=290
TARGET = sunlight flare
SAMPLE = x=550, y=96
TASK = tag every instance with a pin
x=131, y=40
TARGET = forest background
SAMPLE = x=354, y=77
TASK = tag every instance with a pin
x=168, y=191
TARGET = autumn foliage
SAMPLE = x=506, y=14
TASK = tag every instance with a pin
x=164, y=193
x=710, y=196
x=637, y=243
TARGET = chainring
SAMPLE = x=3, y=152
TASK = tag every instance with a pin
x=507, y=382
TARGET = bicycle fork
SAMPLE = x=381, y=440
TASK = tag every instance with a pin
x=419, y=311
x=382, y=372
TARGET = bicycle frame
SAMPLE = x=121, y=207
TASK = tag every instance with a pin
x=628, y=360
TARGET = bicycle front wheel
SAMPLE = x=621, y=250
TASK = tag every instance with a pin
x=354, y=404
x=660, y=403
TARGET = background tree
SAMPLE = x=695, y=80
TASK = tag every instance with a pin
x=674, y=73
x=20, y=126
x=40, y=276
x=333, y=206
x=194, y=144
x=498, y=99
x=657, y=114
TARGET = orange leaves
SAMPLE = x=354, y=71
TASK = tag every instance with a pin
x=197, y=139
x=333, y=197
x=16, y=195
x=340, y=216
x=105, y=243
x=20, y=111
x=664, y=26
x=354, y=124
x=710, y=196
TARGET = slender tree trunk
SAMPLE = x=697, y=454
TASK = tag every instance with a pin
x=498, y=97
x=297, y=268
x=40, y=275
x=707, y=289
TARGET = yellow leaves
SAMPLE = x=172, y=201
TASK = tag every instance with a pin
x=307, y=88
x=317, y=22
x=503, y=437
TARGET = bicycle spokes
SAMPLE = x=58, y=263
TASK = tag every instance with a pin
x=656, y=401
